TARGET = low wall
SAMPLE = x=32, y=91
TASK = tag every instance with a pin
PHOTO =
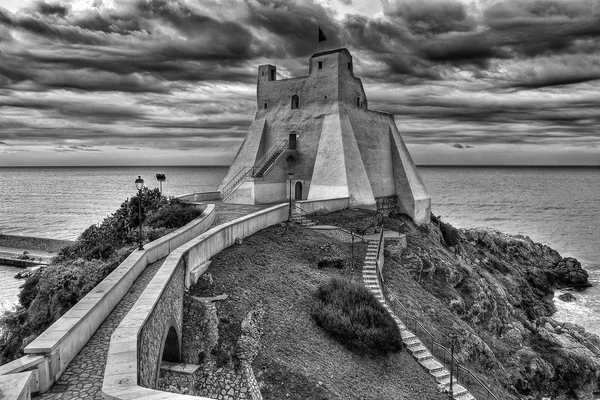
x=124, y=372
x=205, y=196
x=323, y=206
x=61, y=342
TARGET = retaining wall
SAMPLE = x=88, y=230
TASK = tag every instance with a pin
x=124, y=372
x=206, y=196
x=61, y=342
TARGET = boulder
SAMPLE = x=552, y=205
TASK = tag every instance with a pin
x=569, y=273
x=567, y=297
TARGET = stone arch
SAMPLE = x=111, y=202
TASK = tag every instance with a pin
x=295, y=101
x=170, y=349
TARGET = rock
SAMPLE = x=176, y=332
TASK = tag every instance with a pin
x=567, y=297
x=569, y=273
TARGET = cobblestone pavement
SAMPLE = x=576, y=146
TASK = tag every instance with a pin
x=83, y=377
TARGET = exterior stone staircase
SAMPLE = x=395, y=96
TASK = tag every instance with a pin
x=412, y=342
x=300, y=219
x=260, y=172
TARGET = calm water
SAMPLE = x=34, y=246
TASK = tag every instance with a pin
x=556, y=206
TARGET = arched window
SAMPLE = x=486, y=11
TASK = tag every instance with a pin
x=295, y=101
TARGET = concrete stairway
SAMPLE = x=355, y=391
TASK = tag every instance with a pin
x=267, y=164
x=412, y=343
x=300, y=219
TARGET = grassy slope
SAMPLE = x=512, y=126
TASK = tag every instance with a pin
x=299, y=360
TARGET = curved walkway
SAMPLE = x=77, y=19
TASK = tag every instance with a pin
x=83, y=377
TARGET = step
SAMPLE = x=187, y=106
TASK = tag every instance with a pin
x=441, y=374
x=464, y=396
x=423, y=356
x=445, y=381
x=415, y=350
x=458, y=390
x=412, y=342
x=432, y=365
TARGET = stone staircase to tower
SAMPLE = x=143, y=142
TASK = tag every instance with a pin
x=299, y=218
x=411, y=341
x=258, y=170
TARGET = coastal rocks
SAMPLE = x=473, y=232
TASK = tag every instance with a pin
x=502, y=287
x=567, y=297
x=569, y=273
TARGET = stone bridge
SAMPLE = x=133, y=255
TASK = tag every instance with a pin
x=111, y=344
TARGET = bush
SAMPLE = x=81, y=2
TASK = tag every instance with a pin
x=352, y=315
x=173, y=215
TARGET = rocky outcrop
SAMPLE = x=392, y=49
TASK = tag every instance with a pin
x=498, y=289
x=569, y=273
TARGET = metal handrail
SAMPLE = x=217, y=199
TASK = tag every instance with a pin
x=377, y=267
x=463, y=374
x=234, y=182
x=274, y=148
x=247, y=172
x=301, y=209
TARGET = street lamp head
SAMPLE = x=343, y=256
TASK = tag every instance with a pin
x=139, y=183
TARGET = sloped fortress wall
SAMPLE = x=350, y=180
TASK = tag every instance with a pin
x=332, y=143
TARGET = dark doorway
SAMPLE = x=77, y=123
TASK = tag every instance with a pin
x=171, y=350
x=292, y=142
x=272, y=75
x=298, y=194
x=295, y=101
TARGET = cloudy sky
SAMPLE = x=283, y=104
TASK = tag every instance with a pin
x=165, y=82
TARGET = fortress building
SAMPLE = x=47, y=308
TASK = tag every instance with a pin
x=318, y=131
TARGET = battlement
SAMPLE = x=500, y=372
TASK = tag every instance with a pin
x=330, y=81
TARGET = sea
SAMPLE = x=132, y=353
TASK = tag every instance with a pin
x=558, y=206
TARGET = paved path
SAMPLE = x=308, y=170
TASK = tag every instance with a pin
x=83, y=377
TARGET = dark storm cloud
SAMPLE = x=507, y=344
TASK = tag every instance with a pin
x=152, y=69
x=57, y=9
x=292, y=25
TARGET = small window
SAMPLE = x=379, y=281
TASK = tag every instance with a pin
x=325, y=97
x=263, y=73
x=358, y=102
x=266, y=106
x=295, y=101
x=320, y=64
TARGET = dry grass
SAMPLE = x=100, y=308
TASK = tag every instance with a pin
x=298, y=360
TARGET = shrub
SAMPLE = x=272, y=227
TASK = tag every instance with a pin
x=173, y=215
x=352, y=315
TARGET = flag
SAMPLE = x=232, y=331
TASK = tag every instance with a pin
x=322, y=37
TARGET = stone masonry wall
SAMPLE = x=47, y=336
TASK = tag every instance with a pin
x=170, y=305
x=210, y=381
x=200, y=330
x=203, y=376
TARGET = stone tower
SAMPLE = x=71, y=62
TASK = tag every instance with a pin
x=320, y=128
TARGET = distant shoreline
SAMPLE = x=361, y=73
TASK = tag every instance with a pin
x=227, y=166
x=33, y=244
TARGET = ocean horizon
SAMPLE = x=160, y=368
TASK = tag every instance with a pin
x=556, y=206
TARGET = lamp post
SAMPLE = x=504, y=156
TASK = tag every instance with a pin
x=139, y=184
x=160, y=178
x=290, y=175
x=452, y=343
